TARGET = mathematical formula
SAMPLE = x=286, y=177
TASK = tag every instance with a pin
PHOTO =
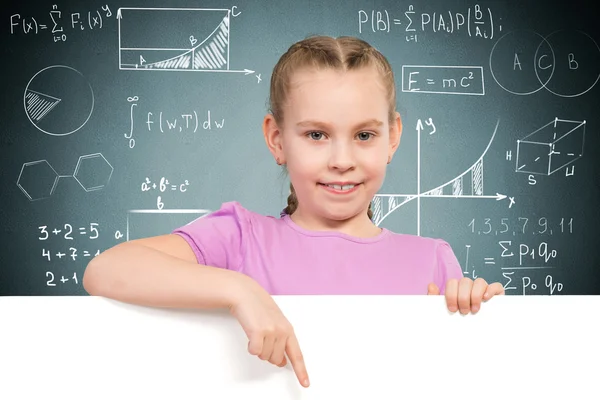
x=77, y=21
x=443, y=79
x=520, y=261
x=475, y=21
x=69, y=254
x=526, y=253
x=187, y=122
x=62, y=280
x=181, y=122
x=549, y=287
x=67, y=232
x=163, y=186
x=92, y=233
x=72, y=254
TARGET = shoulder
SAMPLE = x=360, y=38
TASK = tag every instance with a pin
x=230, y=216
x=220, y=237
x=237, y=211
x=231, y=208
x=433, y=249
x=415, y=241
x=434, y=254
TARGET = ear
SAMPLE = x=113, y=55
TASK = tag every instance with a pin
x=395, y=134
x=273, y=137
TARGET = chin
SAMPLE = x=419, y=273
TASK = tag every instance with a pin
x=341, y=214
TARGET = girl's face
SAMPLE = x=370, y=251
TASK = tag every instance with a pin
x=336, y=132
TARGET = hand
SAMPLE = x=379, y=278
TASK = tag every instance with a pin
x=270, y=334
x=465, y=295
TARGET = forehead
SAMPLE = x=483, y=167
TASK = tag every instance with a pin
x=328, y=94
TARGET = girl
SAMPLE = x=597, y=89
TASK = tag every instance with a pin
x=334, y=127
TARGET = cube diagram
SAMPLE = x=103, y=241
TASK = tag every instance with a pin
x=551, y=147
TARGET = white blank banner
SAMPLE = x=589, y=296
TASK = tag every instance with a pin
x=355, y=347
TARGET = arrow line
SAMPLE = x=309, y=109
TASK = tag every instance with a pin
x=132, y=67
x=466, y=196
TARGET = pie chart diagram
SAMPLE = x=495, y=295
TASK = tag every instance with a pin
x=58, y=100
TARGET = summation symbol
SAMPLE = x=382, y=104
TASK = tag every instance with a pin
x=38, y=179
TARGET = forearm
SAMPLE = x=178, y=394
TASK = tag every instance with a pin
x=137, y=274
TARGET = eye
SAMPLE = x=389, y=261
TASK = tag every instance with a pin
x=364, y=136
x=315, y=135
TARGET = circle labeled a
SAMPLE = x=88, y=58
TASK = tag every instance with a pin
x=514, y=62
x=58, y=100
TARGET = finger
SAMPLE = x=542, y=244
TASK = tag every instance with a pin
x=452, y=295
x=268, y=344
x=297, y=359
x=464, y=295
x=255, y=345
x=479, y=288
x=432, y=289
x=283, y=363
x=493, y=289
x=278, y=356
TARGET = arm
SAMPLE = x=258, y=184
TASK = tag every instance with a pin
x=161, y=271
x=169, y=271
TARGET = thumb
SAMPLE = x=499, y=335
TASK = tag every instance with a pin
x=432, y=289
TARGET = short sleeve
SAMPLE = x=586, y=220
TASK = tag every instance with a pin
x=217, y=238
x=448, y=266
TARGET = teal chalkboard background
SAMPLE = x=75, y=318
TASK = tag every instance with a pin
x=122, y=120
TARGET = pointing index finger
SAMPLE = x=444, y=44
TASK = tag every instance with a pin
x=294, y=353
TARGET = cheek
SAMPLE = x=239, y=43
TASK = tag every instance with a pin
x=377, y=173
x=375, y=161
x=302, y=160
x=303, y=169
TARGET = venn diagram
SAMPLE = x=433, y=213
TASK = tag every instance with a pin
x=565, y=62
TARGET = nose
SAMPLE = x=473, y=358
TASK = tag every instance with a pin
x=341, y=156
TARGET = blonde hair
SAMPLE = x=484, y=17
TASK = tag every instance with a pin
x=344, y=53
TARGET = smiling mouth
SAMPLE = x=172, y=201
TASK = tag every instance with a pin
x=340, y=188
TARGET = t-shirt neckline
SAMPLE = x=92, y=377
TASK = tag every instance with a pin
x=286, y=218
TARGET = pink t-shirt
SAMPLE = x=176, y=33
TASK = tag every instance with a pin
x=286, y=259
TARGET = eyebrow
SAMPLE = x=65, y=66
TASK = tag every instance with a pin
x=369, y=122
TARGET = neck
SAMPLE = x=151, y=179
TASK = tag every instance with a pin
x=359, y=225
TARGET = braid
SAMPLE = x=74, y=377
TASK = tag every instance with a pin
x=292, y=201
x=292, y=204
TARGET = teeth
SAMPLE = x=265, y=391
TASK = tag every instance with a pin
x=339, y=187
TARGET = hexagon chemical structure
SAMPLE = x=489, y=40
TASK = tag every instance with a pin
x=93, y=172
x=37, y=180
